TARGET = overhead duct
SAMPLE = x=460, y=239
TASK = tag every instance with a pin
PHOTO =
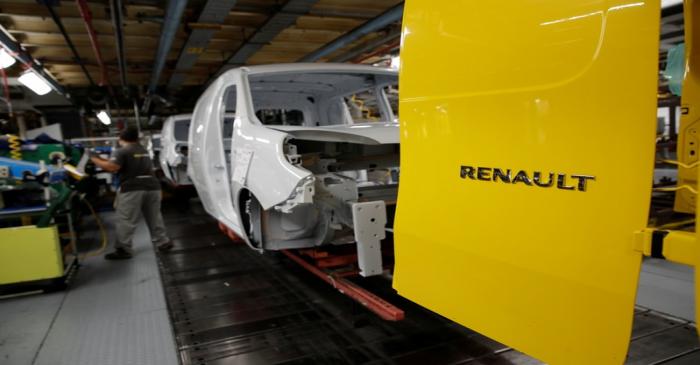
x=173, y=16
x=279, y=21
x=117, y=16
x=384, y=19
x=214, y=13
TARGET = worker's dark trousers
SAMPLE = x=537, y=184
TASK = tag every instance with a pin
x=130, y=205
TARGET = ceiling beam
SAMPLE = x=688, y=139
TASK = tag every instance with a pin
x=384, y=19
x=367, y=46
x=228, y=33
x=214, y=13
x=69, y=42
x=173, y=16
x=279, y=21
x=117, y=20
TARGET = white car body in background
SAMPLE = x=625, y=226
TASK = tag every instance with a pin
x=153, y=148
x=312, y=160
x=174, y=148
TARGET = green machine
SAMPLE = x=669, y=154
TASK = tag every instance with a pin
x=26, y=150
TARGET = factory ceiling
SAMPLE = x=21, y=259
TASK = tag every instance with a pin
x=126, y=50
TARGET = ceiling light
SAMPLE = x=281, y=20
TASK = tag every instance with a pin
x=104, y=117
x=5, y=59
x=33, y=81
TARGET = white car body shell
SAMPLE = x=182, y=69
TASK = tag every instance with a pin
x=257, y=161
x=153, y=148
x=172, y=161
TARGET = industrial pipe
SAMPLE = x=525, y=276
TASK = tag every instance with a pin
x=87, y=19
x=116, y=9
x=137, y=116
x=390, y=16
x=173, y=15
x=214, y=13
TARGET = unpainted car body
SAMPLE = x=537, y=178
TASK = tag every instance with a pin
x=153, y=148
x=174, y=147
x=312, y=160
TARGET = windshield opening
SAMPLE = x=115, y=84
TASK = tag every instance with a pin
x=181, y=130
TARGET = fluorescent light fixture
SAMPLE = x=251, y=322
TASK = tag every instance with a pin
x=104, y=117
x=34, y=82
x=5, y=59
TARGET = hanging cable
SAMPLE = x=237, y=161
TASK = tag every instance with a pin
x=103, y=232
x=676, y=188
x=681, y=164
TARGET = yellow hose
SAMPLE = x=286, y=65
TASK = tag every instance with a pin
x=676, y=224
x=15, y=147
x=676, y=188
x=681, y=164
x=103, y=232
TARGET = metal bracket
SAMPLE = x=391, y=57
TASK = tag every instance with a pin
x=676, y=246
x=369, y=220
x=302, y=194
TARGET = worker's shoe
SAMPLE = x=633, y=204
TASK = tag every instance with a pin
x=165, y=246
x=118, y=254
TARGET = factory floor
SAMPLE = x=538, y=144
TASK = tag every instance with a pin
x=114, y=313
x=210, y=301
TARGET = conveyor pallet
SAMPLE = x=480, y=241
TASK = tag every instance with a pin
x=230, y=305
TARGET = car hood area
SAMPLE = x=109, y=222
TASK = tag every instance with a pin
x=372, y=133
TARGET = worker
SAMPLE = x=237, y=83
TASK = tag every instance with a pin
x=139, y=193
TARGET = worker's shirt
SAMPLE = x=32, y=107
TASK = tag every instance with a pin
x=136, y=169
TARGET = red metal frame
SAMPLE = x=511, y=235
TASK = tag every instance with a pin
x=379, y=306
x=323, y=260
x=87, y=19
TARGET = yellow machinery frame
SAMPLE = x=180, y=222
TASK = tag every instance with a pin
x=30, y=253
x=681, y=246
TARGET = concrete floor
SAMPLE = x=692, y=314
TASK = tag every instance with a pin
x=668, y=288
x=113, y=313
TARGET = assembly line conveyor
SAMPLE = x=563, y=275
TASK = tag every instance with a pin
x=229, y=304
